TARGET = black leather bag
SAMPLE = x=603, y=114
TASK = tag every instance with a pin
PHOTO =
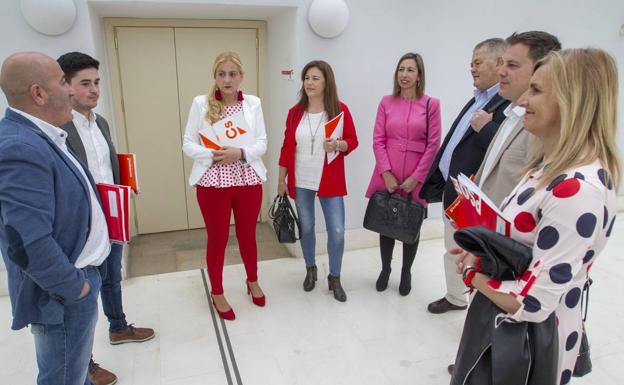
x=522, y=353
x=285, y=221
x=394, y=216
x=501, y=257
x=583, y=364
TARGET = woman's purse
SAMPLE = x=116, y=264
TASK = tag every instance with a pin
x=502, y=258
x=394, y=216
x=284, y=220
x=583, y=364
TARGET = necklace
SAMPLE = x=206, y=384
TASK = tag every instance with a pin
x=313, y=135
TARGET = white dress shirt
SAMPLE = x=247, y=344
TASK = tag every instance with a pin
x=310, y=155
x=97, y=246
x=513, y=116
x=96, y=147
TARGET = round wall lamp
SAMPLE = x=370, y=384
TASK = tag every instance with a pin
x=50, y=17
x=328, y=18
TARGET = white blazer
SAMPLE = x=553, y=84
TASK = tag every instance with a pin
x=202, y=156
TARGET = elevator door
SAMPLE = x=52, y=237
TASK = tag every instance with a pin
x=161, y=70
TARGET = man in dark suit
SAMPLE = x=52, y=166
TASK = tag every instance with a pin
x=89, y=138
x=462, y=151
x=53, y=233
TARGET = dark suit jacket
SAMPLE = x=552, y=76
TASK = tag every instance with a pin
x=467, y=156
x=75, y=143
x=45, y=213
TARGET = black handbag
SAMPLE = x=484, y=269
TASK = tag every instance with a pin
x=505, y=353
x=284, y=220
x=394, y=216
x=583, y=364
x=502, y=258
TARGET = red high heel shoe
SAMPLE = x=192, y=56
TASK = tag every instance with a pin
x=226, y=315
x=258, y=301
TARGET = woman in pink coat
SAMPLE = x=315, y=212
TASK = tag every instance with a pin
x=405, y=141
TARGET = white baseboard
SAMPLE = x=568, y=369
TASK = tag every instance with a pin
x=4, y=284
x=363, y=239
x=354, y=239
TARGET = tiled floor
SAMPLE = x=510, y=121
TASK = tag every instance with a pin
x=185, y=250
x=309, y=338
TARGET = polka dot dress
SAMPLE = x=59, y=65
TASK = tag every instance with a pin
x=237, y=173
x=568, y=224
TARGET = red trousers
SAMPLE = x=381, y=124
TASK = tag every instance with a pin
x=216, y=204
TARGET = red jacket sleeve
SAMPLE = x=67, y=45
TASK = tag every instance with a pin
x=348, y=134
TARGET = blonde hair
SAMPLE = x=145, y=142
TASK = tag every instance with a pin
x=215, y=107
x=585, y=86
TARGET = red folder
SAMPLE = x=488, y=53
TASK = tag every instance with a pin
x=127, y=171
x=473, y=208
x=115, y=204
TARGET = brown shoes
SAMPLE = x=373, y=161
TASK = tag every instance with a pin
x=131, y=334
x=101, y=376
x=442, y=306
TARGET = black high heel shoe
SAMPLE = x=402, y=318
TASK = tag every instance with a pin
x=336, y=287
x=382, y=280
x=406, y=283
x=310, y=278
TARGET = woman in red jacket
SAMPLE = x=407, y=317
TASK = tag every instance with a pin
x=308, y=168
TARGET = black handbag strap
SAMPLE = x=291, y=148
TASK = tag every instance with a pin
x=585, y=297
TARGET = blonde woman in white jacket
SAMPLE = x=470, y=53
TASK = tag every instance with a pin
x=230, y=178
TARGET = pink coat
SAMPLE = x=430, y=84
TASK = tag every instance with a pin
x=399, y=141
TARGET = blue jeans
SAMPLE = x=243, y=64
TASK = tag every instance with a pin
x=333, y=211
x=63, y=350
x=111, y=290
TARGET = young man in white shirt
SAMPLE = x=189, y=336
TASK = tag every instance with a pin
x=89, y=138
x=507, y=154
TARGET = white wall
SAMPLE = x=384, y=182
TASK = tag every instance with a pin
x=363, y=57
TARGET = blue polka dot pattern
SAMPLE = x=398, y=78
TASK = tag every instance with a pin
x=571, y=341
x=611, y=227
x=604, y=178
x=547, y=238
x=531, y=304
x=566, y=375
x=586, y=224
x=605, y=218
x=561, y=273
x=573, y=297
x=556, y=181
x=578, y=175
x=539, y=215
x=525, y=195
x=588, y=256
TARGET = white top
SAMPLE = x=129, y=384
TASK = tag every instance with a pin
x=202, y=156
x=309, y=156
x=97, y=246
x=514, y=115
x=96, y=148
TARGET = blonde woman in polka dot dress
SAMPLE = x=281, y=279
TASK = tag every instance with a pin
x=564, y=207
x=229, y=179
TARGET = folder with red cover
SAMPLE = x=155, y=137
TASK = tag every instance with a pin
x=128, y=171
x=115, y=204
x=473, y=208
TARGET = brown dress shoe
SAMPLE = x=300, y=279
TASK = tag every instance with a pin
x=101, y=376
x=442, y=306
x=131, y=334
